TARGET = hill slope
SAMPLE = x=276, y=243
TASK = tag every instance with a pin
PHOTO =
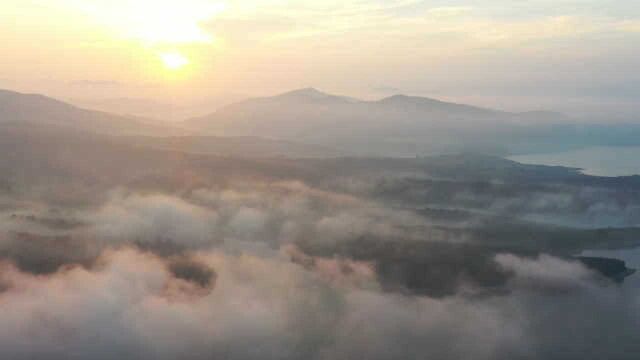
x=33, y=108
x=397, y=125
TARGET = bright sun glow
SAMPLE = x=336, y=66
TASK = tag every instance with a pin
x=156, y=21
x=174, y=61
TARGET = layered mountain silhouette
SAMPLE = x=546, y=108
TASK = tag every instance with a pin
x=300, y=112
x=156, y=109
x=402, y=125
x=39, y=109
x=40, y=118
x=396, y=125
x=310, y=123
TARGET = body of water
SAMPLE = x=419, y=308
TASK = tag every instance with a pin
x=600, y=161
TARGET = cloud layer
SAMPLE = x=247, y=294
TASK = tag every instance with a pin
x=279, y=271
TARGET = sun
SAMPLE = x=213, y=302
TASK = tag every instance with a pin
x=174, y=60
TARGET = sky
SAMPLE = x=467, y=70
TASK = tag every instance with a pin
x=570, y=55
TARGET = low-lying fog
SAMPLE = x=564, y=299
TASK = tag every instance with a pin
x=143, y=247
x=196, y=257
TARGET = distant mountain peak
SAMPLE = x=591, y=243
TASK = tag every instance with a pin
x=309, y=92
x=405, y=98
x=314, y=95
x=426, y=103
x=398, y=97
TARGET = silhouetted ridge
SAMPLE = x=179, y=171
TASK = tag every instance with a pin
x=311, y=95
x=39, y=109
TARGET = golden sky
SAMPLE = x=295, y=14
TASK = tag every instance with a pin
x=493, y=49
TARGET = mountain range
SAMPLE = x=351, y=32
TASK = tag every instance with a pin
x=311, y=123
x=43, y=118
x=397, y=125
x=39, y=109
